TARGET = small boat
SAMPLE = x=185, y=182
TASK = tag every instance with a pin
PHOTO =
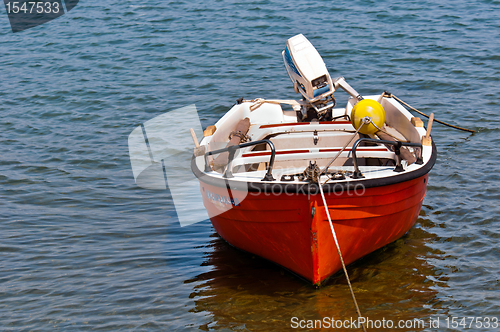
x=278, y=177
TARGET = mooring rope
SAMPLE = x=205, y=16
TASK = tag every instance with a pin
x=389, y=95
x=365, y=120
x=338, y=250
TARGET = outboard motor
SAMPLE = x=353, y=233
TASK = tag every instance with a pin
x=311, y=79
x=306, y=69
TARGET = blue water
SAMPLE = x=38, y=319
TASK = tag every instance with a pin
x=82, y=247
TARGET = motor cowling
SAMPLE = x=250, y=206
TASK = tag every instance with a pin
x=307, y=69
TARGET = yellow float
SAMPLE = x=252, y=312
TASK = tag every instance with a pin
x=368, y=108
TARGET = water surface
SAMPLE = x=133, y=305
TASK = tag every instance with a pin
x=84, y=248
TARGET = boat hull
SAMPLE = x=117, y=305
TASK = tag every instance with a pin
x=292, y=229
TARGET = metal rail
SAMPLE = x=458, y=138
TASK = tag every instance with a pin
x=397, y=150
x=232, y=150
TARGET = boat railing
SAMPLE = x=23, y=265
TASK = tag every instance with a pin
x=397, y=150
x=232, y=150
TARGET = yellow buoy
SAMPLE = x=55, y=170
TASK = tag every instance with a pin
x=368, y=108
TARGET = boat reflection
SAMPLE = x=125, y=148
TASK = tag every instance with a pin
x=242, y=291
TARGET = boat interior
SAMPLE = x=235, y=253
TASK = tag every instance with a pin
x=298, y=144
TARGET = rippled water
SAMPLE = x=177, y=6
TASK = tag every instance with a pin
x=82, y=247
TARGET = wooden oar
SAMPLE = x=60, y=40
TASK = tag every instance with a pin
x=198, y=150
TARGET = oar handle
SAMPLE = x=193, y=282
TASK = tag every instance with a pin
x=429, y=126
x=426, y=140
x=198, y=150
x=195, y=139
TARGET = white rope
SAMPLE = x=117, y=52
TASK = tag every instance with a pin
x=259, y=101
x=339, y=252
x=365, y=120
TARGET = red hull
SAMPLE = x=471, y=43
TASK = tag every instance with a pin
x=293, y=230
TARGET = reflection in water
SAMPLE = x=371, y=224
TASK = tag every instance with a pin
x=245, y=292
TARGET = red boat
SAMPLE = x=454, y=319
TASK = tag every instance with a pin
x=264, y=171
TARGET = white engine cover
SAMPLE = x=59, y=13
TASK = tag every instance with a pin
x=307, y=69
